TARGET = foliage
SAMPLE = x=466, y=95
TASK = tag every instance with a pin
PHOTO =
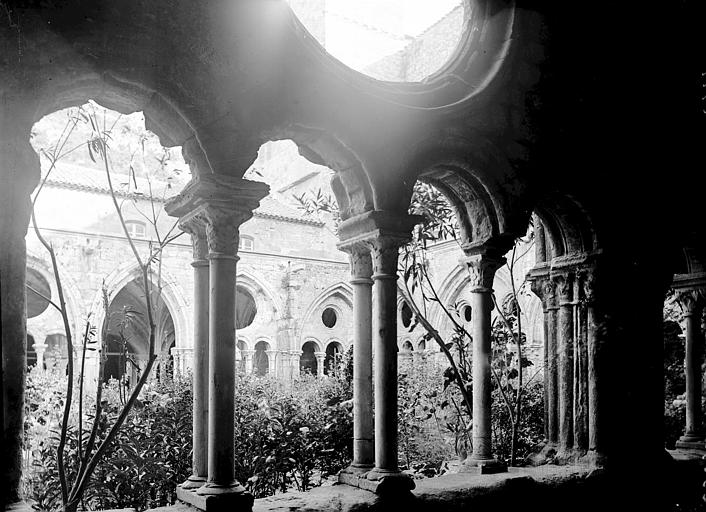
x=291, y=436
x=530, y=430
x=288, y=436
x=150, y=455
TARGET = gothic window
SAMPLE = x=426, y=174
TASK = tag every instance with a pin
x=136, y=228
x=246, y=243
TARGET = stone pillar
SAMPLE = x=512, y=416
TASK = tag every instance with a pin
x=295, y=361
x=248, y=355
x=221, y=204
x=362, y=283
x=551, y=392
x=565, y=349
x=481, y=268
x=596, y=409
x=541, y=286
x=40, y=348
x=271, y=362
x=320, y=359
x=580, y=368
x=200, y=371
x=384, y=250
x=19, y=174
x=691, y=304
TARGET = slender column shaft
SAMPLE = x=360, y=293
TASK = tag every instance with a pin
x=565, y=348
x=363, y=444
x=692, y=364
x=481, y=268
x=580, y=376
x=385, y=340
x=200, y=369
x=552, y=368
x=221, y=370
x=481, y=304
x=690, y=303
x=595, y=402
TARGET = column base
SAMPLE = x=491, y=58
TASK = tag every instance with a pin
x=379, y=481
x=594, y=459
x=691, y=442
x=544, y=456
x=568, y=456
x=482, y=466
x=217, y=498
x=193, y=482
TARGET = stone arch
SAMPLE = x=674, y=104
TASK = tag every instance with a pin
x=172, y=295
x=562, y=228
x=72, y=295
x=472, y=175
x=350, y=184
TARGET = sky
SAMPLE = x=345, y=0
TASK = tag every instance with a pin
x=361, y=32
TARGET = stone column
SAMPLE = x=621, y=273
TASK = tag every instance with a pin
x=362, y=283
x=40, y=348
x=295, y=361
x=565, y=347
x=320, y=359
x=221, y=204
x=271, y=362
x=384, y=250
x=691, y=304
x=596, y=444
x=481, y=269
x=248, y=355
x=580, y=367
x=539, y=285
x=551, y=392
x=19, y=174
x=200, y=353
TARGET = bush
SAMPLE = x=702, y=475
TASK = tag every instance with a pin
x=288, y=436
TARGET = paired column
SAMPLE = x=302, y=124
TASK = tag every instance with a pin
x=248, y=355
x=200, y=354
x=580, y=366
x=691, y=304
x=481, y=268
x=295, y=361
x=565, y=346
x=221, y=204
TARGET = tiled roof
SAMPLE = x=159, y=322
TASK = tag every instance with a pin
x=77, y=177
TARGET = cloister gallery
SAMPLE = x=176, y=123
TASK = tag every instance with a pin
x=584, y=122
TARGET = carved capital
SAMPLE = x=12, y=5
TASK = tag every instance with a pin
x=588, y=288
x=196, y=227
x=384, y=252
x=223, y=228
x=691, y=302
x=481, y=271
x=360, y=260
x=539, y=286
x=564, y=282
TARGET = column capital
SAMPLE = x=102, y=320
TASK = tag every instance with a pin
x=296, y=353
x=197, y=229
x=564, y=286
x=384, y=251
x=221, y=204
x=587, y=282
x=691, y=301
x=360, y=260
x=481, y=269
